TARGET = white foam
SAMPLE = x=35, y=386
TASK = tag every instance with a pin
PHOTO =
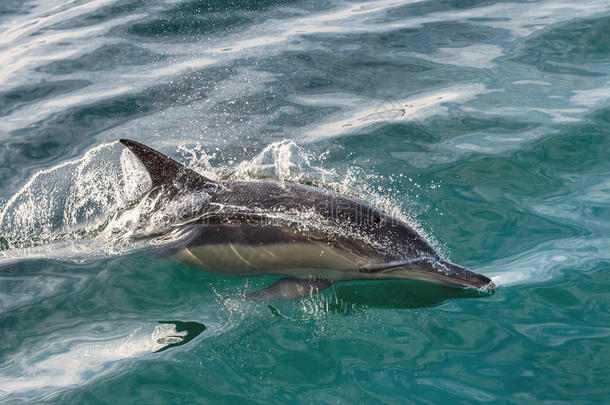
x=544, y=262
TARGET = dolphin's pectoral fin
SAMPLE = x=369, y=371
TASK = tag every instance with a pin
x=290, y=288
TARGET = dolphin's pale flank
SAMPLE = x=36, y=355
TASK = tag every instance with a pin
x=314, y=236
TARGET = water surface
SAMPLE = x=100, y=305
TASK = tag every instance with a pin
x=484, y=123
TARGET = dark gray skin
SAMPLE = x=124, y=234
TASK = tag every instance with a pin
x=314, y=235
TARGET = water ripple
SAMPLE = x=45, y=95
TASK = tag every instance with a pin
x=483, y=122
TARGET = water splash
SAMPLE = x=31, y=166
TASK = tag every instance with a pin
x=93, y=206
x=283, y=161
x=73, y=199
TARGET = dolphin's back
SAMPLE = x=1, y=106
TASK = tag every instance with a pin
x=345, y=218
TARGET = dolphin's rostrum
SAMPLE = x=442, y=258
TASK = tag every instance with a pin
x=314, y=236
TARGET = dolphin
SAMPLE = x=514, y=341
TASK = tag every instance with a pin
x=313, y=236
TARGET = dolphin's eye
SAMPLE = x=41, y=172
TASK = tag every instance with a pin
x=376, y=218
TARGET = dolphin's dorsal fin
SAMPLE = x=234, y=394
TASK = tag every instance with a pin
x=165, y=171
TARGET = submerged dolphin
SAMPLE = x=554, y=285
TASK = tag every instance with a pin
x=314, y=236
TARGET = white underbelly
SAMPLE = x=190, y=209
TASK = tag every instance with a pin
x=296, y=259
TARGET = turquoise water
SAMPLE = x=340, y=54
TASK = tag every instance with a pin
x=485, y=123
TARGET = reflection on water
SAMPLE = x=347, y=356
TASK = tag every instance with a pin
x=176, y=333
x=402, y=294
x=70, y=360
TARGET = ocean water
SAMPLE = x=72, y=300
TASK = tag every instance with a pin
x=484, y=123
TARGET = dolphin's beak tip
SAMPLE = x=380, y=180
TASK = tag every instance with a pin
x=489, y=287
